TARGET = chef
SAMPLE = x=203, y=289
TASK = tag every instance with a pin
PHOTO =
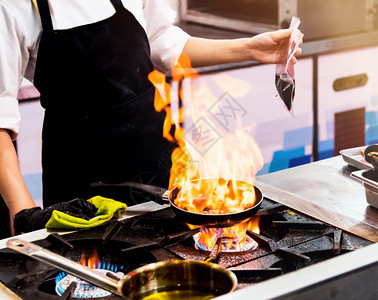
x=90, y=60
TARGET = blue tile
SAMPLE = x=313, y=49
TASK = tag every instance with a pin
x=298, y=137
x=371, y=134
x=34, y=184
x=371, y=118
x=326, y=145
x=301, y=160
x=281, y=159
x=264, y=170
x=325, y=154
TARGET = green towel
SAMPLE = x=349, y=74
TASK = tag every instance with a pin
x=106, y=209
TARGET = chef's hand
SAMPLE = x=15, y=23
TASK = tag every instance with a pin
x=265, y=47
x=36, y=218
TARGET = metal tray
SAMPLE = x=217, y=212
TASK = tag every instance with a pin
x=369, y=180
x=353, y=157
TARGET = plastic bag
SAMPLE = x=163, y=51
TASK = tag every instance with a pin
x=285, y=77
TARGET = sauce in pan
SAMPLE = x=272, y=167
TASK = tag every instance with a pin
x=180, y=294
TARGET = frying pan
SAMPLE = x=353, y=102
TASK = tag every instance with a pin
x=181, y=277
x=163, y=196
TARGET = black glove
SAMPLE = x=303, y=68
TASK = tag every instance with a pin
x=36, y=218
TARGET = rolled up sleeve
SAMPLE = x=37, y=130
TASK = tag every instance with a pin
x=167, y=40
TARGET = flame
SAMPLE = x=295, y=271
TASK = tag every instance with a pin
x=216, y=196
x=217, y=173
x=92, y=261
x=162, y=98
x=233, y=238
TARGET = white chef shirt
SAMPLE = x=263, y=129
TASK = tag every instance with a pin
x=20, y=31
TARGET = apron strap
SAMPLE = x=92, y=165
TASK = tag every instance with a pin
x=117, y=4
x=44, y=11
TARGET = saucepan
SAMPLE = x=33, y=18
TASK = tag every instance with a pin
x=177, y=279
x=163, y=196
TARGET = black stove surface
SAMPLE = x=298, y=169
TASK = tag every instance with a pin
x=287, y=242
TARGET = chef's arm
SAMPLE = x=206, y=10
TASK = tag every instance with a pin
x=12, y=186
x=262, y=48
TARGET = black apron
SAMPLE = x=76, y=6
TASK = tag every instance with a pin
x=100, y=123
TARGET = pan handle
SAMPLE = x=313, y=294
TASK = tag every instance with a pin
x=160, y=195
x=64, y=264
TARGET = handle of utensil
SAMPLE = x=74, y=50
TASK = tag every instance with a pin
x=159, y=194
x=64, y=264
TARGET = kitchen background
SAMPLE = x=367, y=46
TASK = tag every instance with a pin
x=336, y=101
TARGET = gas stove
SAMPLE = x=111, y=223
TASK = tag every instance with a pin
x=295, y=255
x=288, y=241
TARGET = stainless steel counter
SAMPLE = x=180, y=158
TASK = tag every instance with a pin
x=324, y=190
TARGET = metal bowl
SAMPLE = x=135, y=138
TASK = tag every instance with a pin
x=178, y=279
x=369, y=180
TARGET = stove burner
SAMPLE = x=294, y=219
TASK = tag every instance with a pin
x=83, y=289
x=228, y=244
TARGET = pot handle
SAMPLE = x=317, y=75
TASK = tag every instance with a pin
x=160, y=195
x=64, y=264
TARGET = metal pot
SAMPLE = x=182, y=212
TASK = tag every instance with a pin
x=178, y=279
x=163, y=196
